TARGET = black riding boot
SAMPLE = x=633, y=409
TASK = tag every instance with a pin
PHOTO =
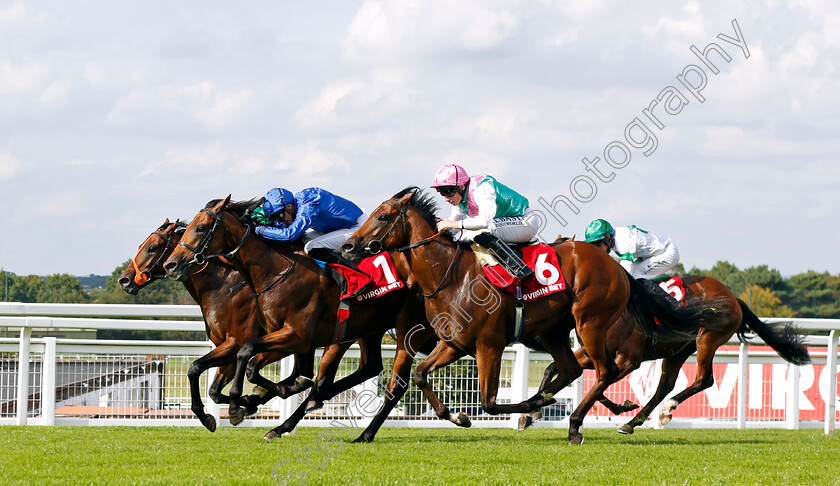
x=504, y=255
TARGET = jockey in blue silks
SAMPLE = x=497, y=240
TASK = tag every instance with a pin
x=321, y=218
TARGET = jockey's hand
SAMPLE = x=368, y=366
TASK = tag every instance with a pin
x=448, y=224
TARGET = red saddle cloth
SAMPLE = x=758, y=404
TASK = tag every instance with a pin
x=548, y=278
x=376, y=276
x=674, y=286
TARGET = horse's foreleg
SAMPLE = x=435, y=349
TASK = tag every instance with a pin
x=220, y=355
x=442, y=355
x=283, y=341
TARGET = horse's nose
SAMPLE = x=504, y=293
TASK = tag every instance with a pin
x=169, y=266
x=348, y=246
x=124, y=282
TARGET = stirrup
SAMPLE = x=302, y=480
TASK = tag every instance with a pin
x=505, y=255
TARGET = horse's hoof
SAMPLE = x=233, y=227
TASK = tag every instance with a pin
x=363, y=439
x=271, y=435
x=628, y=405
x=665, y=418
x=313, y=405
x=576, y=440
x=626, y=429
x=251, y=410
x=525, y=421
x=462, y=420
x=236, y=415
x=209, y=423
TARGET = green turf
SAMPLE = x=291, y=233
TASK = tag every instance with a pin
x=169, y=455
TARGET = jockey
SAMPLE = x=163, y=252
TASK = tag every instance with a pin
x=489, y=213
x=321, y=218
x=641, y=253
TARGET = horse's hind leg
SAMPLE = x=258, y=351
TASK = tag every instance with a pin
x=706, y=347
x=670, y=371
x=442, y=355
x=370, y=365
x=398, y=383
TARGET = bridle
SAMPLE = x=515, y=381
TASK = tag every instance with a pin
x=375, y=246
x=144, y=277
x=200, y=257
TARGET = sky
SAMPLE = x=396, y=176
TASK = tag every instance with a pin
x=117, y=115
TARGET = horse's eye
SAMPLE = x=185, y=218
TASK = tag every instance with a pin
x=200, y=228
x=383, y=217
x=151, y=249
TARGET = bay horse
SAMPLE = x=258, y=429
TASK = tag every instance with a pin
x=230, y=319
x=598, y=291
x=630, y=348
x=298, y=303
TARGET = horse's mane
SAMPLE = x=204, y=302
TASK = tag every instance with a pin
x=422, y=202
x=237, y=208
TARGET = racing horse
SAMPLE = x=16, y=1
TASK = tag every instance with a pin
x=298, y=303
x=630, y=348
x=470, y=322
x=229, y=315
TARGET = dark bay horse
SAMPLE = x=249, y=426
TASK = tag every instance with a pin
x=630, y=348
x=468, y=320
x=229, y=314
x=298, y=303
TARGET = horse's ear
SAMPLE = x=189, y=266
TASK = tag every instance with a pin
x=406, y=199
x=165, y=223
x=221, y=205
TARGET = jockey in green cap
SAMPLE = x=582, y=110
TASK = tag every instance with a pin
x=641, y=253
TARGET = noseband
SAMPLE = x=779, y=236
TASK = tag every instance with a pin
x=199, y=257
x=144, y=277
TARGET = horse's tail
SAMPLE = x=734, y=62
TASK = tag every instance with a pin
x=659, y=315
x=788, y=343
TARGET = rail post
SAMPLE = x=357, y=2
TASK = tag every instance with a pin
x=831, y=396
x=792, y=408
x=48, y=369
x=23, y=374
x=519, y=379
x=743, y=366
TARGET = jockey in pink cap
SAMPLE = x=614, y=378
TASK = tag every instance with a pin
x=487, y=212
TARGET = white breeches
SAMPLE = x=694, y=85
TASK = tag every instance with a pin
x=332, y=240
x=656, y=265
x=516, y=229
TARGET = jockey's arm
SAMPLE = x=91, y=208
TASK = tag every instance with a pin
x=303, y=220
x=485, y=198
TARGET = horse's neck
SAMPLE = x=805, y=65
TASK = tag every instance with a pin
x=430, y=263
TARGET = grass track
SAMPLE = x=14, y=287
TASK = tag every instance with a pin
x=171, y=455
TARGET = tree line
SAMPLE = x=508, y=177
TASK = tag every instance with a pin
x=808, y=294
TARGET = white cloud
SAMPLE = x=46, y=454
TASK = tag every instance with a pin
x=9, y=165
x=308, y=159
x=395, y=32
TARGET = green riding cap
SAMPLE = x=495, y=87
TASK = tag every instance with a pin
x=598, y=230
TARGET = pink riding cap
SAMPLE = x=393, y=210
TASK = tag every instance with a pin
x=450, y=175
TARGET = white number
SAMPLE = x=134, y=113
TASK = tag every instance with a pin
x=382, y=262
x=672, y=288
x=543, y=266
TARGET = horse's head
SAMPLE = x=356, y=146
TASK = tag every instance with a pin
x=389, y=226
x=147, y=264
x=208, y=235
